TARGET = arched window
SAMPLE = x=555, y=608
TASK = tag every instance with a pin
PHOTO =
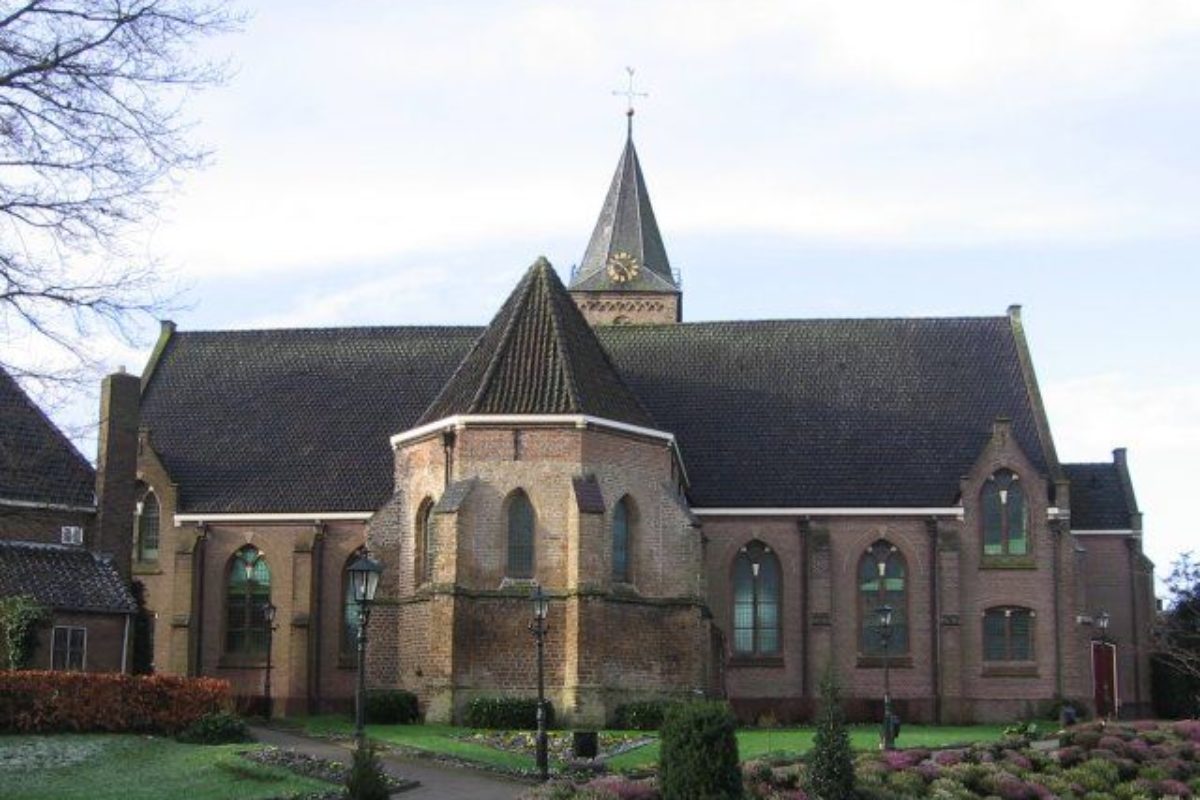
x=146, y=546
x=246, y=597
x=756, y=593
x=349, y=641
x=1008, y=634
x=622, y=516
x=882, y=581
x=520, y=536
x=1005, y=516
x=425, y=544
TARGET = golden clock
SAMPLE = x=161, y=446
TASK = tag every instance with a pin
x=622, y=267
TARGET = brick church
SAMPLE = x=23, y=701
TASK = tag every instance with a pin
x=712, y=507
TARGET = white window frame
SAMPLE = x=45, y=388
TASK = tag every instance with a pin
x=72, y=534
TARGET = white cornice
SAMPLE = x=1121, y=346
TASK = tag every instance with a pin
x=4, y=501
x=1115, y=532
x=949, y=511
x=303, y=516
x=460, y=421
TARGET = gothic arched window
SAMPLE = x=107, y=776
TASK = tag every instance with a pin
x=1005, y=516
x=146, y=544
x=425, y=544
x=246, y=597
x=520, y=535
x=1008, y=634
x=349, y=640
x=882, y=581
x=622, y=518
x=756, y=598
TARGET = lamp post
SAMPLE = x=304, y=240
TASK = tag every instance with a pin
x=364, y=580
x=538, y=627
x=268, y=612
x=1102, y=620
x=885, y=639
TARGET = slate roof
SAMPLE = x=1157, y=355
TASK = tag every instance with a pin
x=626, y=224
x=538, y=356
x=62, y=577
x=38, y=464
x=829, y=413
x=292, y=420
x=1098, y=499
x=799, y=413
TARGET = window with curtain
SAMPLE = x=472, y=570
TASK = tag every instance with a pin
x=520, y=536
x=756, y=599
x=1008, y=634
x=1005, y=516
x=882, y=581
x=146, y=546
x=620, y=541
x=246, y=627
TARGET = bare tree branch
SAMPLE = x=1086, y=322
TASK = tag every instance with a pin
x=92, y=131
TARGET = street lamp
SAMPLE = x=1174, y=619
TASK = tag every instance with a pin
x=268, y=612
x=538, y=627
x=885, y=639
x=1102, y=620
x=364, y=580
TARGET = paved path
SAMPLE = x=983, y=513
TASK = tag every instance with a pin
x=438, y=781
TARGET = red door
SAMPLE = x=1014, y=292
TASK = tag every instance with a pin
x=1104, y=678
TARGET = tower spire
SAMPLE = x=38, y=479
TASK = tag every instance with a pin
x=629, y=94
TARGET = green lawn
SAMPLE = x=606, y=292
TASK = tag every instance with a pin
x=130, y=767
x=752, y=742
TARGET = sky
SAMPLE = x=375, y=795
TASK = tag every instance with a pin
x=399, y=163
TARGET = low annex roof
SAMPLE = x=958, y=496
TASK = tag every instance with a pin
x=38, y=464
x=792, y=413
x=63, y=577
x=1099, y=499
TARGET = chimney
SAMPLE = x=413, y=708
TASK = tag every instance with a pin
x=116, y=468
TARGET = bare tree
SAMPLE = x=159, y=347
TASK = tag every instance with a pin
x=92, y=130
x=1177, y=631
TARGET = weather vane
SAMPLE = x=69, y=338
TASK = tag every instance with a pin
x=629, y=94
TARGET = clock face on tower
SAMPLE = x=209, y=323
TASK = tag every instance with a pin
x=622, y=267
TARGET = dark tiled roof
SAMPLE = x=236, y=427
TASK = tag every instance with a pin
x=61, y=577
x=588, y=497
x=626, y=225
x=1098, y=501
x=38, y=464
x=538, y=356
x=292, y=419
x=808, y=413
x=455, y=495
x=828, y=413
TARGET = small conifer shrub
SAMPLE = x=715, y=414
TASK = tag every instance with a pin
x=699, y=756
x=830, y=774
x=366, y=779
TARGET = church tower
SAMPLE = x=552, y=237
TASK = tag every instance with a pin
x=625, y=277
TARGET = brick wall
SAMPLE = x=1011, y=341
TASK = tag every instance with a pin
x=629, y=308
x=105, y=640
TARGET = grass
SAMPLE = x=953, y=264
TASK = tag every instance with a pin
x=752, y=742
x=130, y=767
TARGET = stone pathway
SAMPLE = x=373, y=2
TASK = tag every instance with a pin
x=438, y=781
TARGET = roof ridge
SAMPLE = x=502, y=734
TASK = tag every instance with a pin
x=559, y=333
x=522, y=301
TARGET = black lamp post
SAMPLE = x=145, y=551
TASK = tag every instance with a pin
x=538, y=627
x=885, y=639
x=364, y=580
x=1102, y=620
x=268, y=612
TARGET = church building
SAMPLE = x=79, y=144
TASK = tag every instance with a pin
x=713, y=508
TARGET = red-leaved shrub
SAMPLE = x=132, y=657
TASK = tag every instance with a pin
x=49, y=702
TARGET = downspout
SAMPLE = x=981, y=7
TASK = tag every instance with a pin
x=125, y=646
x=935, y=628
x=314, y=692
x=805, y=528
x=1132, y=550
x=198, y=606
x=1056, y=533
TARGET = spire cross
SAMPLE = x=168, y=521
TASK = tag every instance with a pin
x=629, y=95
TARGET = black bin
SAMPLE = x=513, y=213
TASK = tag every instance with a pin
x=585, y=744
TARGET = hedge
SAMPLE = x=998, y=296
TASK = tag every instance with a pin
x=50, y=702
x=392, y=707
x=642, y=715
x=506, y=713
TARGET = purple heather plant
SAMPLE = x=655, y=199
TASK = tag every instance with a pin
x=948, y=758
x=623, y=788
x=1173, y=788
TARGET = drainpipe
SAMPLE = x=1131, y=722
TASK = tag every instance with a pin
x=314, y=622
x=1056, y=536
x=805, y=527
x=935, y=628
x=1131, y=545
x=125, y=647
x=198, y=606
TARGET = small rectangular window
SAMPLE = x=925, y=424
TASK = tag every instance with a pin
x=69, y=648
x=72, y=534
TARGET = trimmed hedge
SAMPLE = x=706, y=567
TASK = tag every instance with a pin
x=643, y=715
x=506, y=713
x=219, y=728
x=392, y=707
x=51, y=702
x=699, y=753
